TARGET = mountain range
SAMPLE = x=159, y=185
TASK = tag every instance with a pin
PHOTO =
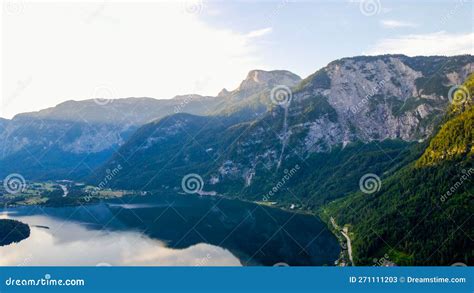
x=296, y=143
x=72, y=139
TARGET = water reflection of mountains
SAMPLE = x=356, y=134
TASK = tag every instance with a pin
x=256, y=235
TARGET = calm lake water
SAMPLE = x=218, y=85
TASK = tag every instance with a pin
x=169, y=230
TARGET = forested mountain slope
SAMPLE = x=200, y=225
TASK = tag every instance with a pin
x=422, y=214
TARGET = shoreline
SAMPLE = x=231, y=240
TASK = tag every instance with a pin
x=13, y=231
x=343, y=258
x=318, y=215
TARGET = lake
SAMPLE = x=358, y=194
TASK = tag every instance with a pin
x=169, y=230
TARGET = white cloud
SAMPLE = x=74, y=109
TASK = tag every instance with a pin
x=390, y=23
x=259, y=33
x=439, y=43
x=57, y=51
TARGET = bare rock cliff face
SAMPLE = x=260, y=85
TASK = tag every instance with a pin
x=361, y=99
x=377, y=99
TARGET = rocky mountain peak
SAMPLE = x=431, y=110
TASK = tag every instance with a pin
x=258, y=81
x=224, y=92
x=261, y=78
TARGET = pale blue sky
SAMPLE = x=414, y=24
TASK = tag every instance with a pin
x=58, y=51
x=306, y=35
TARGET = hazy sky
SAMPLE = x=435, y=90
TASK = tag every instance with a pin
x=53, y=52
